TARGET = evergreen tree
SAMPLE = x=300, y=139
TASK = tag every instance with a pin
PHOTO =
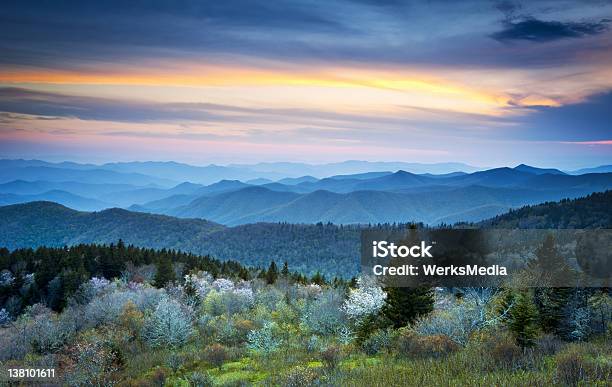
x=165, y=272
x=550, y=303
x=285, y=271
x=244, y=274
x=552, y=269
x=272, y=273
x=523, y=319
x=318, y=279
x=112, y=261
x=404, y=305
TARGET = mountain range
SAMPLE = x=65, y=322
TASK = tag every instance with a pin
x=332, y=249
x=266, y=193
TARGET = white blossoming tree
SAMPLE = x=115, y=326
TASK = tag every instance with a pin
x=365, y=300
x=168, y=325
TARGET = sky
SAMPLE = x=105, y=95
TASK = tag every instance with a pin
x=488, y=83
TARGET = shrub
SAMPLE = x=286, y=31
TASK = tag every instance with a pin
x=571, y=367
x=199, y=379
x=379, y=340
x=13, y=344
x=460, y=319
x=324, y=316
x=48, y=332
x=504, y=353
x=345, y=335
x=5, y=317
x=243, y=327
x=436, y=346
x=131, y=319
x=93, y=363
x=549, y=344
x=300, y=377
x=216, y=354
x=313, y=344
x=331, y=357
x=174, y=361
x=159, y=376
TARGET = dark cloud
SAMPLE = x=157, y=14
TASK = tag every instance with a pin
x=536, y=30
x=87, y=35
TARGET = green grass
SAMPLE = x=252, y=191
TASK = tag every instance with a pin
x=470, y=366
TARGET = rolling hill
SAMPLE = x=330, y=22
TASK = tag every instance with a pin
x=51, y=224
x=405, y=198
x=62, y=197
x=330, y=248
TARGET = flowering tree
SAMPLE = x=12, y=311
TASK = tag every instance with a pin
x=223, y=285
x=366, y=300
x=168, y=325
x=459, y=319
x=198, y=284
x=263, y=340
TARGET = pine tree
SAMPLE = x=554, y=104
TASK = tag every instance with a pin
x=404, y=305
x=244, y=274
x=285, y=271
x=318, y=279
x=165, y=272
x=272, y=273
x=523, y=319
x=550, y=303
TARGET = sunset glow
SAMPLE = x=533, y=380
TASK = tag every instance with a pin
x=355, y=93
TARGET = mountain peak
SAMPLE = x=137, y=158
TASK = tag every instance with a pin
x=537, y=171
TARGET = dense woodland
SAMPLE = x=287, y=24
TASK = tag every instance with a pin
x=53, y=275
x=592, y=211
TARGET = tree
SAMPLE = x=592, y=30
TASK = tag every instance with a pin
x=168, y=325
x=318, y=279
x=272, y=273
x=523, y=318
x=285, y=271
x=404, y=305
x=365, y=300
x=551, y=303
x=112, y=261
x=263, y=340
x=165, y=272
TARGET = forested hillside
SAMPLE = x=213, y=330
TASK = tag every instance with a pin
x=327, y=248
x=308, y=248
x=592, y=211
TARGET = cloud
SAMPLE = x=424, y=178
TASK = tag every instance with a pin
x=98, y=36
x=535, y=30
x=587, y=122
x=49, y=105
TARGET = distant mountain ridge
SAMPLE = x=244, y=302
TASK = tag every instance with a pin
x=366, y=197
x=396, y=197
x=308, y=248
x=538, y=171
x=600, y=169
